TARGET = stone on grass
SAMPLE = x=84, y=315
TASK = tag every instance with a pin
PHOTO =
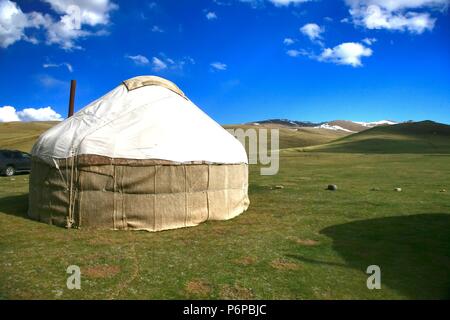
x=398, y=189
x=279, y=187
x=332, y=187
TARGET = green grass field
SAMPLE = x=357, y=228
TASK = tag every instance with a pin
x=299, y=242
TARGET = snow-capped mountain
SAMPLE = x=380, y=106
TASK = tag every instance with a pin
x=283, y=123
x=376, y=123
x=353, y=126
x=336, y=125
x=333, y=127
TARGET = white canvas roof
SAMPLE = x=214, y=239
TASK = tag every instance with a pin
x=143, y=118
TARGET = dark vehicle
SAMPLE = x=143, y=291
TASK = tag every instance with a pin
x=12, y=161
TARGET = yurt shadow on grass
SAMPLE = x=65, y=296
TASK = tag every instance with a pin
x=412, y=251
x=142, y=157
x=15, y=205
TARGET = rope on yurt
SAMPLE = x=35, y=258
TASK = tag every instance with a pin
x=60, y=173
x=155, y=197
x=207, y=190
x=124, y=215
x=68, y=188
x=185, y=198
x=114, y=196
x=70, y=220
x=77, y=176
x=75, y=191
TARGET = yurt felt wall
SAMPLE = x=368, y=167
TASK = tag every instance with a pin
x=143, y=156
x=153, y=195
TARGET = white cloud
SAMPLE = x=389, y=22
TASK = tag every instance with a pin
x=76, y=14
x=57, y=65
x=393, y=5
x=13, y=23
x=302, y=52
x=401, y=15
x=312, y=31
x=189, y=60
x=276, y=3
x=163, y=62
x=51, y=82
x=293, y=53
x=369, y=41
x=8, y=114
x=75, y=19
x=158, y=64
x=348, y=53
x=288, y=41
x=280, y=3
x=157, y=29
x=219, y=66
x=211, y=15
x=222, y=3
x=89, y=12
x=41, y=114
x=138, y=59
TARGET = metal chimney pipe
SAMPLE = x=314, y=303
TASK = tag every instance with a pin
x=73, y=86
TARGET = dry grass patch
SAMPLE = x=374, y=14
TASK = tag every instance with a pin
x=303, y=242
x=307, y=242
x=101, y=271
x=235, y=292
x=281, y=264
x=198, y=287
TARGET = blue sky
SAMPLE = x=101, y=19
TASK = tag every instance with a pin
x=238, y=60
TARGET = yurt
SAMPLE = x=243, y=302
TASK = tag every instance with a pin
x=142, y=157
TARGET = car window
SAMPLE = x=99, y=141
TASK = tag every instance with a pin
x=7, y=154
x=26, y=155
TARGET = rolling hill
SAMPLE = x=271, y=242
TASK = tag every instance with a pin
x=22, y=135
x=297, y=137
x=411, y=137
